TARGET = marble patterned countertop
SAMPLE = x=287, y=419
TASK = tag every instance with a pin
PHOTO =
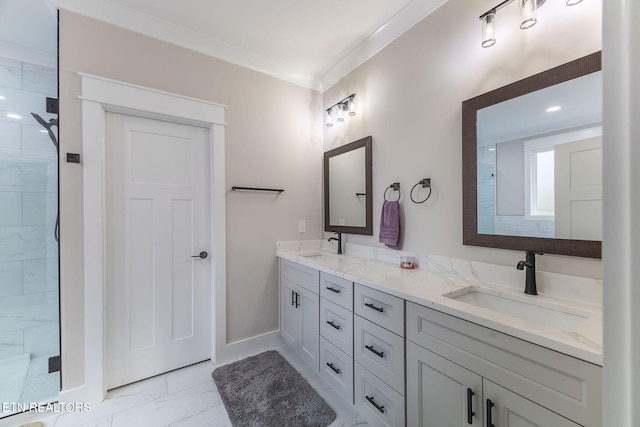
x=439, y=281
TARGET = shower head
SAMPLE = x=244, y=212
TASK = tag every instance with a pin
x=48, y=125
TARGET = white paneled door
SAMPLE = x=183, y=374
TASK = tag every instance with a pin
x=158, y=287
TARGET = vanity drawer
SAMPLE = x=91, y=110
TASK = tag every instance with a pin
x=383, y=309
x=378, y=403
x=336, y=325
x=380, y=351
x=337, y=369
x=301, y=275
x=336, y=289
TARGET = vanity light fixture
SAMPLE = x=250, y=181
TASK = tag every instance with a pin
x=528, y=11
x=342, y=108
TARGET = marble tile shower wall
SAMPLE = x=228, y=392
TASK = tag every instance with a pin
x=28, y=208
x=489, y=222
x=486, y=188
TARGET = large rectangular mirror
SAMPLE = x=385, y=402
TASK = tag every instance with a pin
x=532, y=163
x=347, y=188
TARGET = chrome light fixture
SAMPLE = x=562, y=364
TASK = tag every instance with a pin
x=488, y=29
x=528, y=12
x=340, y=109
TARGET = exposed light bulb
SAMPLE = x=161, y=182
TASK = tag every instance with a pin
x=488, y=30
x=340, y=108
x=528, y=13
x=351, y=106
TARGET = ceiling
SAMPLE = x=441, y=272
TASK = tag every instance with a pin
x=525, y=117
x=310, y=43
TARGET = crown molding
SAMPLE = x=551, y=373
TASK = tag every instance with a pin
x=139, y=22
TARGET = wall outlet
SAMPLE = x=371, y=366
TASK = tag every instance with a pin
x=302, y=226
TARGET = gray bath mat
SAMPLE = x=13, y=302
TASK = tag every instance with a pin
x=265, y=390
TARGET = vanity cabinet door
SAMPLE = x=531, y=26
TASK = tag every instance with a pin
x=441, y=393
x=288, y=312
x=309, y=327
x=503, y=408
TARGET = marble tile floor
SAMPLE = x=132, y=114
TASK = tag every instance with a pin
x=186, y=397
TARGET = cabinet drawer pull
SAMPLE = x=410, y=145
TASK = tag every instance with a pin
x=297, y=300
x=330, y=322
x=332, y=289
x=333, y=368
x=490, y=405
x=374, y=351
x=380, y=309
x=373, y=402
x=293, y=298
x=470, y=412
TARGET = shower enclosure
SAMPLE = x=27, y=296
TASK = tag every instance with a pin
x=29, y=285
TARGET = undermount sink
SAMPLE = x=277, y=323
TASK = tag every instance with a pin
x=522, y=307
x=320, y=256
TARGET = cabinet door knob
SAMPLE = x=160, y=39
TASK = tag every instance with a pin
x=470, y=412
x=374, y=351
x=380, y=309
x=333, y=368
x=333, y=325
x=375, y=405
x=490, y=405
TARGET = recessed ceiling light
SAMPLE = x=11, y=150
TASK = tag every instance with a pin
x=492, y=149
x=2, y=97
x=553, y=109
x=14, y=116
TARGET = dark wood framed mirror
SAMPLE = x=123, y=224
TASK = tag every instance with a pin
x=348, y=205
x=485, y=190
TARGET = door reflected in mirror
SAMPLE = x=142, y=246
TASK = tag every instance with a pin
x=540, y=163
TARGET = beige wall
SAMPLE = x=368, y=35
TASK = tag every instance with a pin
x=273, y=138
x=409, y=99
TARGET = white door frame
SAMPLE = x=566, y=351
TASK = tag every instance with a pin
x=100, y=95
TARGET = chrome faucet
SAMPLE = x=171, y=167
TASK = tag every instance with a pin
x=339, y=239
x=530, y=283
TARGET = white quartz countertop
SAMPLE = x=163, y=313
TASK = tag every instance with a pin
x=430, y=289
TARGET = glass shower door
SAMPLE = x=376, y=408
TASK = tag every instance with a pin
x=29, y=285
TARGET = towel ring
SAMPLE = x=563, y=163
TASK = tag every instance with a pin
x=425, y=183
x=395, y=187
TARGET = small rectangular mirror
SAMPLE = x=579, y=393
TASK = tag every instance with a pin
x=347, y=188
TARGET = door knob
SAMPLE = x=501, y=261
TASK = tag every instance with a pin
x=202, y=255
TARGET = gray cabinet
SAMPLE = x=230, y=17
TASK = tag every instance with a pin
x=336, y=334
x=523, y=384
x=300, y=310
x=441, y=393
x=378, y=346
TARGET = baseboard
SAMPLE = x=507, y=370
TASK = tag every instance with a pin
x=247, y=347
x=80, y=394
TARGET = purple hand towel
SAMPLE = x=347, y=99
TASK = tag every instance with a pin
x=390, y=224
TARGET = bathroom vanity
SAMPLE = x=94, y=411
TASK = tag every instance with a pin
x=419, y=347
